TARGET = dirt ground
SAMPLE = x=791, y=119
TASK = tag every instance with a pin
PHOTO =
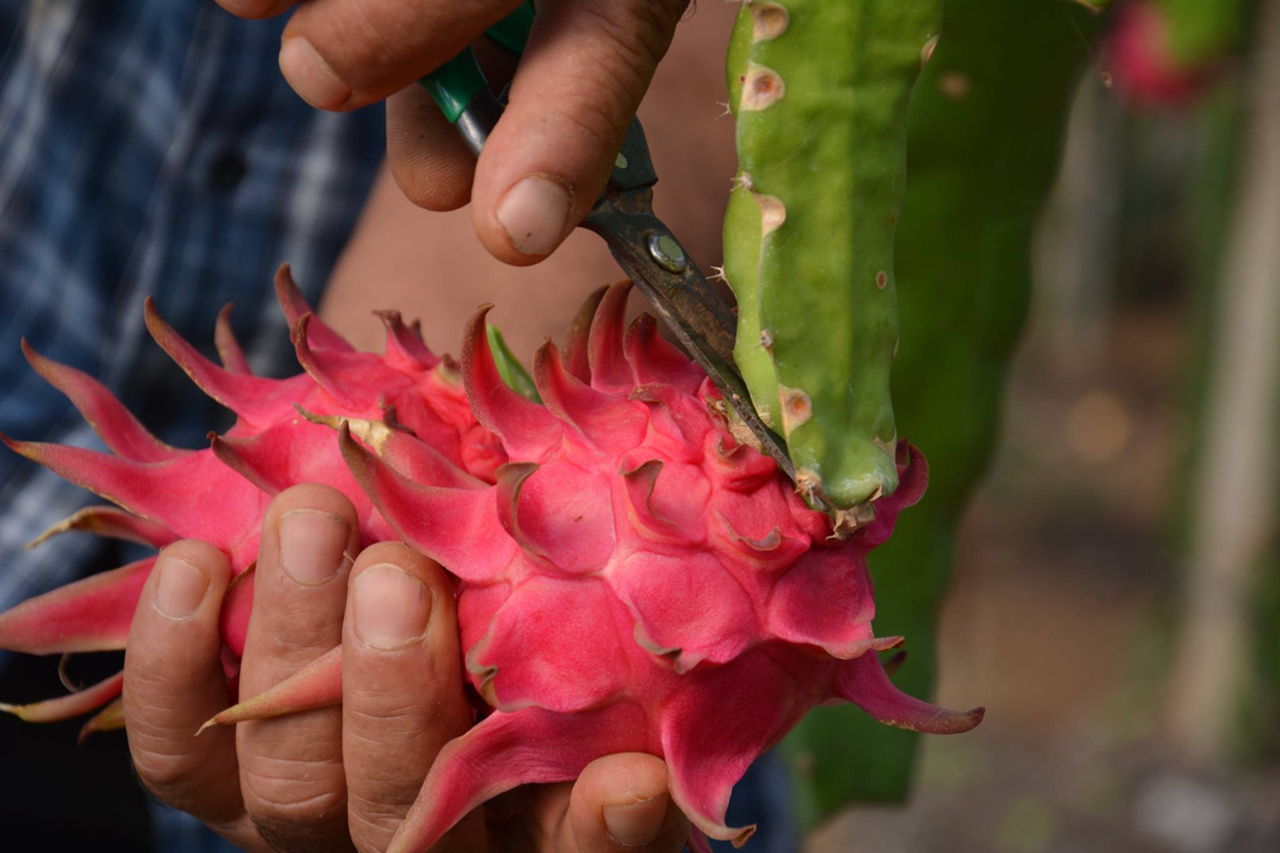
x=1057, y=624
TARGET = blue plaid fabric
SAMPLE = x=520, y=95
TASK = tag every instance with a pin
x=148, y=147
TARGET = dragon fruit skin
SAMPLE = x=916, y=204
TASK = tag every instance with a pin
x=1142, y=62
x=220, y=494
x=631, y=577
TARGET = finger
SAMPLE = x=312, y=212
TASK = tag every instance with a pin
x=427, y=157
x=402, y=687
x=173, y=679
x=291, y=767
x=338, y=54
x=621, y=803
x=254, y=9
x=583, y=73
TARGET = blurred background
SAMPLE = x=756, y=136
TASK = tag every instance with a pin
x=1114, y=602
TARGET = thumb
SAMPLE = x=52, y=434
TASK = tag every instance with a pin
x=622, y=803
x=578, y=85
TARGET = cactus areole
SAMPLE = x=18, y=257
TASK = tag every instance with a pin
x=630, y=576
x=820, y=90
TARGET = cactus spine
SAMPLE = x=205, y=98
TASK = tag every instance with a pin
x=820, y=91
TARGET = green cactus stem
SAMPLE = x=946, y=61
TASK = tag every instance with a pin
x=820, y=90
x=985, y=135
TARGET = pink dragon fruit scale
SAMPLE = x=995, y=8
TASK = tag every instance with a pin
x=631, y=576
x=1142, y=63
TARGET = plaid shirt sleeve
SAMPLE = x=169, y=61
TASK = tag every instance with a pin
x=148, y=147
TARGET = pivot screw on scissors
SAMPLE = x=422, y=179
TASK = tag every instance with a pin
x=664, y=249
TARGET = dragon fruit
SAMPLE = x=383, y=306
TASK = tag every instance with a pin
x=220, y=494
x=633, y=574
x=1143, y=63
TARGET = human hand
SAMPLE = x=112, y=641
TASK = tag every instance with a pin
x=586, y=67
x=342, y=778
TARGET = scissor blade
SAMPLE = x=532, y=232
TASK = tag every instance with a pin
x=690, y=306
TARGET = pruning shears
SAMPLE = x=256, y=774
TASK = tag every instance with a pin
x=643, y=246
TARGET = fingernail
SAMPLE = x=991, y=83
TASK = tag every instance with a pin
x=391, y=606
x=636, y=824
x=310, y=76
x=180, y=589
x=313, y=545
x=534, y=214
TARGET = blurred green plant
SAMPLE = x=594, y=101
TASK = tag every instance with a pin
x=1204, y=30
x=1224, y=670
x=1221, y=120
x=984, y=140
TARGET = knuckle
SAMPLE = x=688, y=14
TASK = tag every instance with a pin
x=169, y=778
x=148, y=674
x=629, y=38
x=285, y=836
x=382, y=808
x=598, y=120
x=294, y=800
x=622, y=42
x=290, y=786
x=164, y=775
x=291, y=644
x=161, y=739
x=373, y=823
x=153, y=739
x=656, y=23
x=377, y=711
x=389, y=740
x=639, y=31
x=365, y=41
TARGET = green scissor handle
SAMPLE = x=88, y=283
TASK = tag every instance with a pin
x=456, y=84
